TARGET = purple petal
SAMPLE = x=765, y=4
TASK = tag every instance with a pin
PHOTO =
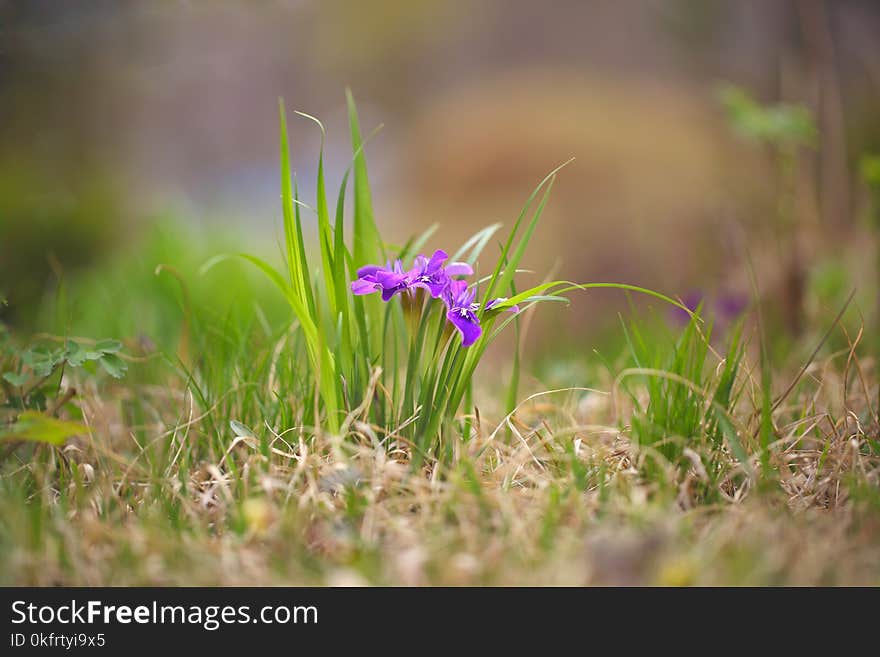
x=436, y=261
x=362, y=286
x=459, y=269
x=389, y=279
x=420, y=265
x=470, y=330
x=452, y=293
x=368, y=270
x=436, y=286
x=466, y=298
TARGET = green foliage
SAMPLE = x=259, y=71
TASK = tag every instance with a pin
x=781, y=125
x=683, y=413
x=38, y=427
x=869, y=168
x=32, y=395
x=353, y=345
x=395, y=365
x=40, y=361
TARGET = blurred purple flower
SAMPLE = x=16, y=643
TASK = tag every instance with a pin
x=691, y=301
x=730, y=306
x=725, y=308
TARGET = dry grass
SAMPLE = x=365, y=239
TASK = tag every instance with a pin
x=557, y=496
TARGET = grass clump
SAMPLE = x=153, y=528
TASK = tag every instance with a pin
x=396, y=367
x=684, y=415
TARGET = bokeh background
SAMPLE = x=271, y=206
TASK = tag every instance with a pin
x=133, y=133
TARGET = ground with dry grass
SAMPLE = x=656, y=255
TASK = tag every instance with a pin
x=558, y=493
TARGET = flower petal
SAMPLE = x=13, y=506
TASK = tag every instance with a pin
x=469, y=328
x=363, y=286
x=459, y=269
x=453, y=292
x=420, y=264
x=436, y=261
x=389, y=279
x=368, y=270
x=436, y=285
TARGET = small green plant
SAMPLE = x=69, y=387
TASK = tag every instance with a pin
x=396, y=367
x=785, y=129
x=683, y=419
x=869, y=167
x=783, y=126
x=31, y=382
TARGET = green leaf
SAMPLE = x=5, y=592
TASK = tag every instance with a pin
x=115, y=366
x=781, y=124
x=76, y=355
x=41, y=360
x=17, y=380
x=512, y=262
x=108, y=346
x=295, y=250
x=475, y=244
x=38, y=427
x=240, y=429
x=367, y=244
x=325, y=232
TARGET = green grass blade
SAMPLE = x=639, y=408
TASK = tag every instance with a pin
x=293, y=246
x=325, y=233
x=367, y=247
x=509, y=269
x=507, y=246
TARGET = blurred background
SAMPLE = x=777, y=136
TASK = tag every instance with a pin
x=706, y=133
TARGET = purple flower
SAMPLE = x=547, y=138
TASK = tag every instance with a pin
x=691, y=301
x=725, y=308
x=433, y=276
x=462, y=310
x=373, y=278
x=428, y=274
x=730, y=306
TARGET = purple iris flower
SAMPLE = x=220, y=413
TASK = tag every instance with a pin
x=373, y=278
x=462, y=310
x=459, y=299
x=433, y=276
x=428, y=274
